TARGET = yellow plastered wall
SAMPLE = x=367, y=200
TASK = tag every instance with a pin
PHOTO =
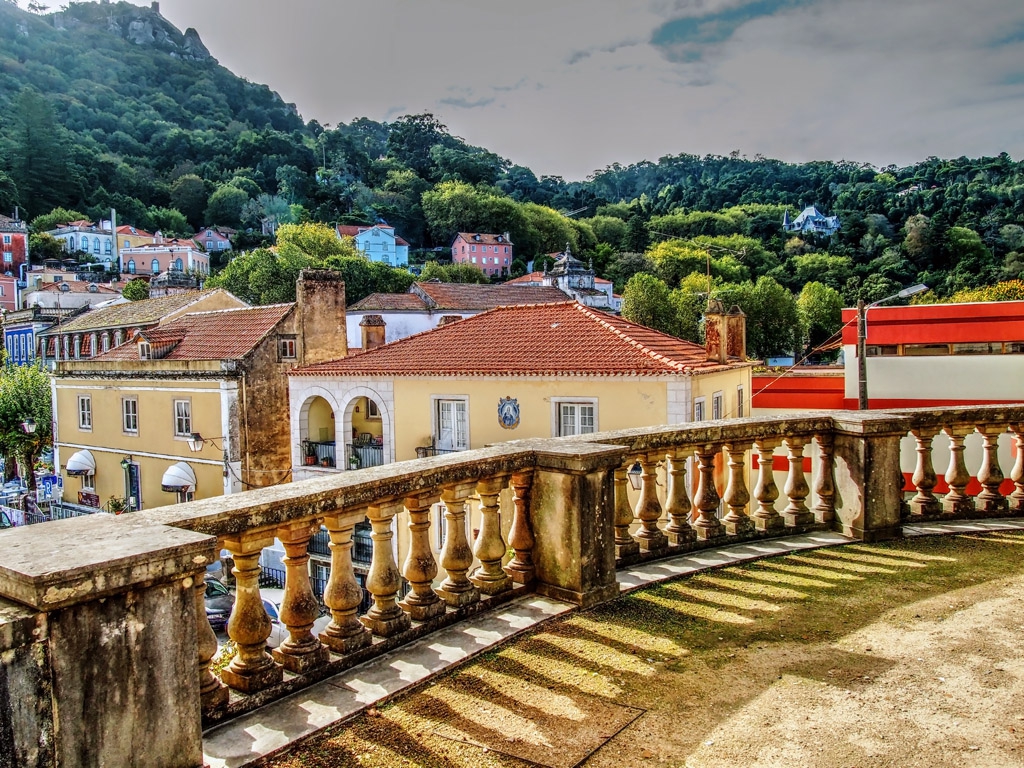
x=154, y=448
x=621, y=404
x=728, y=383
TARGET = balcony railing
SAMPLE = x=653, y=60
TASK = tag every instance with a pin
x=320, y=454
x=361, y=456
x=574, y=518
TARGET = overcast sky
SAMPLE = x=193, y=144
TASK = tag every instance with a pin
x=570, y=86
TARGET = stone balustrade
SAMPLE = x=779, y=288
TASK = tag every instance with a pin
x=102, y=619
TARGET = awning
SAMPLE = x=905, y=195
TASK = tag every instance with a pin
x=81, y=463
x=179, y=478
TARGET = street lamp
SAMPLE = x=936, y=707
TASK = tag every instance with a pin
x=862, y=338
x=29, y=426
x=635, y=475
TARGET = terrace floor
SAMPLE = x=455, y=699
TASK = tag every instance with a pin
x=791, y=652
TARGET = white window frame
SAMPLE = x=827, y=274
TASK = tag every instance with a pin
x=717, y=406
x=435, y=421
x=557, y=404
x=145, y=351
x=372, y=411
x=130, y=415
x=700, y=409
x=182, y=418
x=85, y=413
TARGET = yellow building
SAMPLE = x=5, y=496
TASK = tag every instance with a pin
x=511, y=373
x=192, y=407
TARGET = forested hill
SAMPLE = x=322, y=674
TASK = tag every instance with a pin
x=108, y=105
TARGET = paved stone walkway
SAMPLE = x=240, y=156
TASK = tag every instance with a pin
x=269, y=729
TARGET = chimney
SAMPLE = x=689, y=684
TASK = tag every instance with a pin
x=715, y=331
x=448, y=320
x=736, y=334
x=320, y=303
x=374, y=331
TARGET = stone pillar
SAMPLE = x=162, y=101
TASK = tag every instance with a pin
x=867, y=449
x=213, y=694
x=736, y=520
x=572, y=509
x=796, y=489
x=456, y=556
x=252, y=669
x=300, y=651
x=625, y=544
x=956, y=502
x=766, y=518
x=420, y=568
x=345, y=633
x=489, y=547
x=648, y=510
x=924, y=478
x=386, y=617
x=990, y=475
x=99, y=645
x=824, y=483
x=520, y=537
x=677, y=503
x=706, y=499
x=1016, y=500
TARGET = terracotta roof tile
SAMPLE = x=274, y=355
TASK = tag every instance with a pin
x=471, y=296
x=561, y=339
x=384, y=302
x=135, y=313
x=485, y=238
x=224, y=334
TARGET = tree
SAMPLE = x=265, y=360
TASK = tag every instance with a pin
x=54, y=219
x=624, y=265
x=646, y=301
x=136, y=290
x=42, y=246
x=24, y=394
x=169, y=222
x=821, y=309
x=39, y=161
x=637, y=237
x=774, y=327
x=225, y=206
x=453, y=273
x=688, y=303
x=188, y=195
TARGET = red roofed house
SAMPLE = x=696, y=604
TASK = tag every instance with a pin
x=387, y=317
x=576, y=280
x=515, y=372
x=379, y=242
x=13, y=246
x=491, y=253
x=193, y=406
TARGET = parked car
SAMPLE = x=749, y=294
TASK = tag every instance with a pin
x=272, y=599
x=219, y=600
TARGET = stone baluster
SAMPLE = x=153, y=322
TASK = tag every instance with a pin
x=956, y=502
x=252, y=669
x=737, y=522
x=385, y=617
x=677, y=503
x=766, y=518
x=489, y=547
x=924, y=479
x=1016, y=500
x=648, y=510
x=706, y=499
x=625, y=545
x=824, y=481
x=420, y=568
x=990, y=474
x=345, y=633
x=456, y=555
x=301, y=651
x=520, y=537
x=796, y=489
x=213, y=694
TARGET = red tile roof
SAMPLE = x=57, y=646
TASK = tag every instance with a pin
x=538, y=277
x=472, y=296
x=485, y=239
x=130, y=230
x=224, y=334
x=389, y=302
x=564, y=339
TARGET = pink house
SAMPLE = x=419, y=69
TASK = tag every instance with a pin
x=9, y=293
x=165, y=256
x=490, y=253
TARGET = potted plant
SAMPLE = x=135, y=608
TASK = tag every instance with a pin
x=353, y=461
x=310, y=453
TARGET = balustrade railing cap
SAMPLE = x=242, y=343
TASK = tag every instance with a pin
x=65, y=562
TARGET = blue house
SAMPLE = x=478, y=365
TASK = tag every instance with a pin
x=379, y=242
x=811, y=222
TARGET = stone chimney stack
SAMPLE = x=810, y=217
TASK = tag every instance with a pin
x=736, y=334
x=448, y=320
x=374, y=332
x=320, y=300
x=715, y=331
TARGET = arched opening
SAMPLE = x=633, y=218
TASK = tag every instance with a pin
x=318, y=440
x=366, y=446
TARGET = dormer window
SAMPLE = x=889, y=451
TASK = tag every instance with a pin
x=209, y=233
x=144, y=351
x=477, y=238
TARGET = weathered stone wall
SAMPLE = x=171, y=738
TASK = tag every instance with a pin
x=26, y=705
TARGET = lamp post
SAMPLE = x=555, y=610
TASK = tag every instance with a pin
x=862, y=339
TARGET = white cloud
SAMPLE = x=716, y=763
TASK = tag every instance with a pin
x=571, y=86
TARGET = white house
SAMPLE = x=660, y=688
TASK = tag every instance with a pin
x=811, y=222
x=576, y=280
x=85, y=236
x=379, y=242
